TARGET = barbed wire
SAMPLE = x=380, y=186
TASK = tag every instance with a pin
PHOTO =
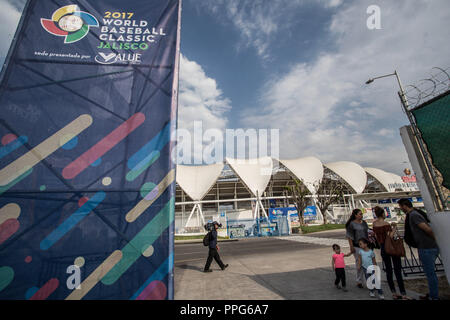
x=428, y=88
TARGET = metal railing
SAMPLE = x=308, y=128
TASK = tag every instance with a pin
x=413, y=266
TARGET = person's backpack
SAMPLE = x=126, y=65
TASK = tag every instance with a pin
x=424, y=215
x=206, y=239
x=409, y=238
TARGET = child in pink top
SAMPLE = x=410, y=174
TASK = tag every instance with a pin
x=338, y=265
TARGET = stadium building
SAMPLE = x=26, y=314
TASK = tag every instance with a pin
x=248, y=189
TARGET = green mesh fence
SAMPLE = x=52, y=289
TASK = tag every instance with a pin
x=433, y=121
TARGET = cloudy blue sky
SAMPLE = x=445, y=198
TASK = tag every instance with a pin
x=300, y=66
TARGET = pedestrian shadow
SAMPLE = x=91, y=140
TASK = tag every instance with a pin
x=311, y=284
x=189, y=267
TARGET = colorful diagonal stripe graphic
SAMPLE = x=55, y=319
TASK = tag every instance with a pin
x=144, y=204
x=27, y=172
x=43, y=150
x=47, y=289
x=10, y=147
x=142, y=166
x=95, y=276
x=156, y=144
x=158, y=275
x=103, y=146
x=145, y=238
x=73, y=220
x=6, y=277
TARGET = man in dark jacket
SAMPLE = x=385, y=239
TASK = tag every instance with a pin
x=213, y=250
x=419, y=234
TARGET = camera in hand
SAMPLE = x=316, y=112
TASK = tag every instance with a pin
x=210, y=226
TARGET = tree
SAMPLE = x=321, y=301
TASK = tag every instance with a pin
x=299, y=194
x=329, y=191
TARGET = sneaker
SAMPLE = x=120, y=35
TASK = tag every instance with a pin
x=225, y=266
x=372, y=294
x=344, y=289
x=209, y=270
x=359, y=285
x=381, y=297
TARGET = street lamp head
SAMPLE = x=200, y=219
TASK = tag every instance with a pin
x=369, y=81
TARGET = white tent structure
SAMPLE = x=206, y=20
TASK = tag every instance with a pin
x=309, y=170
x=383, y=177
x=250, y=187
x=196, y=181
x=350, y=172
x=255, y=174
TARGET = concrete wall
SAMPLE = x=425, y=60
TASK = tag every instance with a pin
x=440, y=223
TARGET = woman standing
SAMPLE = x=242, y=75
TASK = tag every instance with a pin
x=357, y=229
x=383, y=229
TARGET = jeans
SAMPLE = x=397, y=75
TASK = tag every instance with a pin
x=397, y=262
x=359, y=273
x=428, y=258
x=367, y=275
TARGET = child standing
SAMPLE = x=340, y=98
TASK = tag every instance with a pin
x=338, y=265
x=366, y=258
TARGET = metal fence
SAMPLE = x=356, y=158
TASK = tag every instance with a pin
x=411, y=264
x=427, y=105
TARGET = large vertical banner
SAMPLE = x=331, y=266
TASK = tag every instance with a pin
x=88, y=103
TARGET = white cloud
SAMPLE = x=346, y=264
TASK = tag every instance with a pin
x=260, y=21
x=200, y=99
x=9, y=16
x=324, y=108
x=383, y=132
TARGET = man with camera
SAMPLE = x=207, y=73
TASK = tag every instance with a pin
x=213, y=248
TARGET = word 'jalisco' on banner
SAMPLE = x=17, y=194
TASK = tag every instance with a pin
x=88, y=99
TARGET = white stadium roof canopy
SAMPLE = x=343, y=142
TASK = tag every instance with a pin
x=350, y=172
x=309, y=170
x=254, y=173
x=381, y=176
x=197, y=180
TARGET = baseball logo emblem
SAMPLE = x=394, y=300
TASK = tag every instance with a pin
x=70, y=22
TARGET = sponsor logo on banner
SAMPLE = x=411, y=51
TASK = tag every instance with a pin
x=110, y=58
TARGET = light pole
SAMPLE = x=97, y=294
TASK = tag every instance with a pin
x=416, y=132
x=402, y=91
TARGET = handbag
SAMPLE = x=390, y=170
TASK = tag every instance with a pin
x=393, y=245
x=373, y=242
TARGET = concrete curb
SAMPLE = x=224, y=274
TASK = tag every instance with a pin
x=201, y=240
x=325, y=231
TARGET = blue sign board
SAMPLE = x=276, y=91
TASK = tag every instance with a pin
x=309, y=213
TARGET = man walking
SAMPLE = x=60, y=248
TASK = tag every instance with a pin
x=418, y=234
x=213, y=250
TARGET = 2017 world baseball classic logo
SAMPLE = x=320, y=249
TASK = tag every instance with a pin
x=122, y=37
x=69, y=22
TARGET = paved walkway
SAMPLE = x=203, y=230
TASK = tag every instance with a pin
x=316, y=240
x=293, y=272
